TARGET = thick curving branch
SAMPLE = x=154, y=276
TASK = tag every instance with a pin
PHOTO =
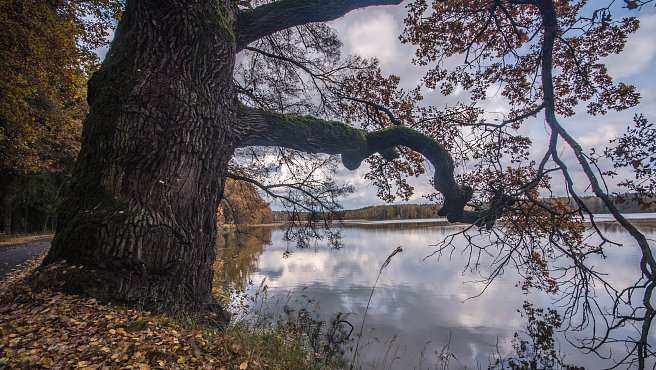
x=308, y=134
x=279, y=15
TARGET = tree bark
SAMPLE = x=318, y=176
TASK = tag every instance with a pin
x=141, y=211
x=270, y=18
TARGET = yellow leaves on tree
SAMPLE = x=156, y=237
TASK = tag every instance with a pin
x=46, y=56
x=243, y=205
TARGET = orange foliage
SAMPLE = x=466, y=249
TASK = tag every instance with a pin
x=243, y=205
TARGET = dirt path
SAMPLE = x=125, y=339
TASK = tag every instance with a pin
x=14, y=252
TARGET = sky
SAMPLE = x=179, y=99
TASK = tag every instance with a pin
x=374, y=31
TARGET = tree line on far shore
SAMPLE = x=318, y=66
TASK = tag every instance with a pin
x=626, y=203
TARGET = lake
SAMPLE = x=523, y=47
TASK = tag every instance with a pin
x=420, y=305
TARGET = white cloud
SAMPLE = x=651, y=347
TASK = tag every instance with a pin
x=374, y=36
x=599, y=137
x=639, y=52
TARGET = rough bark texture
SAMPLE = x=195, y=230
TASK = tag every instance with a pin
x=142, y=208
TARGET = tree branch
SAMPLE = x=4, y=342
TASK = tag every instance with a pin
x=313, y=135
x=378, y=107
x=268, y=189
x=648, y=262
x=270, y=18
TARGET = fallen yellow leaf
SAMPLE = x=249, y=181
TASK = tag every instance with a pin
x=243, y=366
x=138, y=357
x=46, y=361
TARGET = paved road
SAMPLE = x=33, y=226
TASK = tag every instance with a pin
x=12, y=255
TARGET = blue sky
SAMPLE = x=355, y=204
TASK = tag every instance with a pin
x=374, y=31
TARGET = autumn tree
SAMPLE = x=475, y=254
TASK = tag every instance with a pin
x=46, y=56
x=241, y=204
x=173, y=115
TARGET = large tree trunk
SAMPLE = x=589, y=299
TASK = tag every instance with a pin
x=141, y=211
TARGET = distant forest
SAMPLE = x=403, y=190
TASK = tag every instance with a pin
x=626, y=204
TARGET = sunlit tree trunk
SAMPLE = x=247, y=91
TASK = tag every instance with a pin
x=141, y=211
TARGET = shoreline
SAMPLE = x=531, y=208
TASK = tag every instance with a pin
x=599, y=218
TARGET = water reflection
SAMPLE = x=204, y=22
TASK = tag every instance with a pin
x=420, y=305
x=237, y=255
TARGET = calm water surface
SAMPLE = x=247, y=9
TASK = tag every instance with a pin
x=419, y=303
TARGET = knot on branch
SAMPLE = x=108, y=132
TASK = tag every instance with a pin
x=454, y=205
x=390, y=154
x=352, y=160
x=499, y=203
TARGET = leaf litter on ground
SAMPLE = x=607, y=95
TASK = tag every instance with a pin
x=53, y=330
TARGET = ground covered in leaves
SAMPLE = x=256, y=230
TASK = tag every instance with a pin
x=46, y=329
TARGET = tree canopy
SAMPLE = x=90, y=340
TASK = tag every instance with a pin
x=47, y=52
x=243, y=205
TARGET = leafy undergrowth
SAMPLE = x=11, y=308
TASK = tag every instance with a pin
x=49, y=329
